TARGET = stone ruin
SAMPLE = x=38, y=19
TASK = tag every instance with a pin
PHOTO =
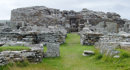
x=47, y=26
x=108, y=43
x=109, y=27
x=29, y=36
x=34, y=55
x=73, y=21
x=34, y=35
x=89, y=37
x=107, y=37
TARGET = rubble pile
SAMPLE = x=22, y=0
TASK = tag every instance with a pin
x=108, y=43
x=107, y=49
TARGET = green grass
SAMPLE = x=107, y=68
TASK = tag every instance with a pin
x=71, y=58
x=13, y=48
x=124, y=53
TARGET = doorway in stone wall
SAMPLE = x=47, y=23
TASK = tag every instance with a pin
x=74, y=24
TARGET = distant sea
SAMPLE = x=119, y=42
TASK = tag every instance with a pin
x=1, y=21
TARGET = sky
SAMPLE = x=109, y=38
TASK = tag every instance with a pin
x=121, y=7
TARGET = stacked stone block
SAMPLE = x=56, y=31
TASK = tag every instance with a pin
x=89, y=37
x=36, y=54
x=3, y=60
x=52, y=50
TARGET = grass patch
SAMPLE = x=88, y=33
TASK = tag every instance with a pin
x=15, y=65
x=71, y=58
x=98, y=55
x=124, y=53
x=13, y=48
x=45, y=48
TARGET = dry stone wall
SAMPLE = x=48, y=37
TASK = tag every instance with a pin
x=31, y=36
x=34, y=55
x=44, y=16
x=89, y=37
x=109, y=42
x=38, y=15
x=35, y=36
x=111, y=27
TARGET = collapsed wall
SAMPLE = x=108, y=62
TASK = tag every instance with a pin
x=44, y=16
x=38, y=15
x=110, y=27
x=108, y=43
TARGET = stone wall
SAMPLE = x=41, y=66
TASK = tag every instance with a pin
x=30, y=36
x=44, y=36
x=38, y=15
x=107, y=44
x=34, y=55
x=44, y=16
x=89, y=37
x=111, y=27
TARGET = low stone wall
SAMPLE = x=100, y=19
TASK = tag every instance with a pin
x=88, y=37
x=33, y=37
x=3, y=60
x=34, y=55
x=50, y=37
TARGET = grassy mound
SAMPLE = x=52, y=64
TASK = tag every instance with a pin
x=13, y=48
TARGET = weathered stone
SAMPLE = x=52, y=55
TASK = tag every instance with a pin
x=71, y=20
x=88, y=53
x=34, y=55
x=116, y=56
x=52, y=50
x=88, y=37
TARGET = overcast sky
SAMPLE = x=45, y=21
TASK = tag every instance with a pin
x=121, y=7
